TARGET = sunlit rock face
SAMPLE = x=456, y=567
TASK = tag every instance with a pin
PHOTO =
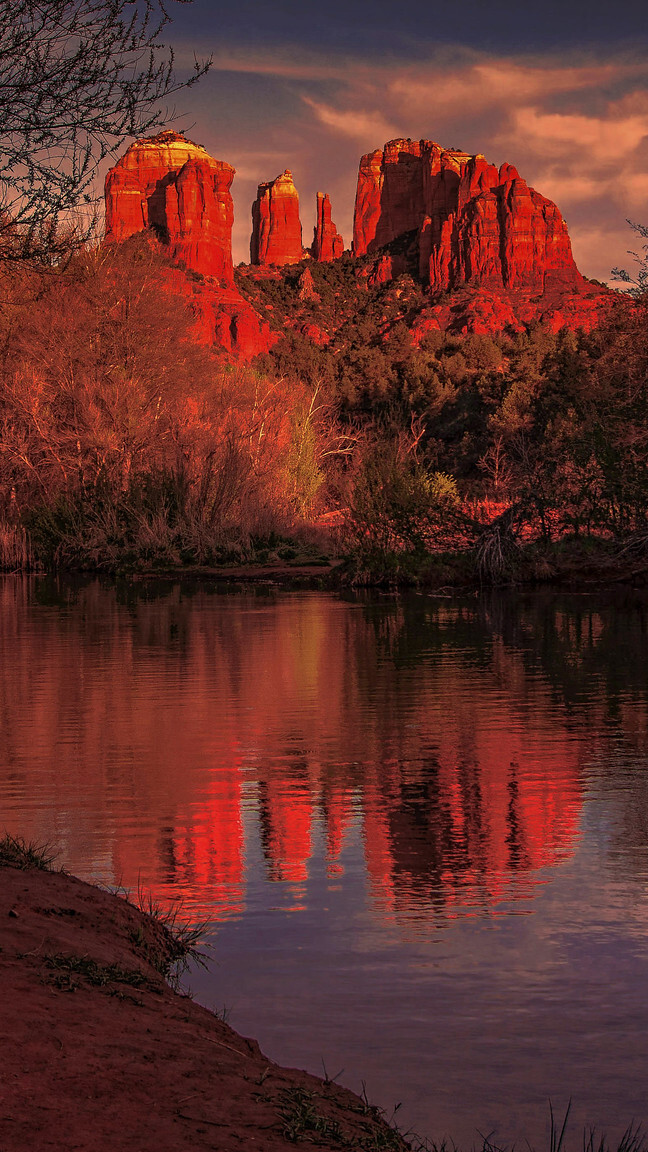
x=327, y=242
x=175, y=187
x=276, y=227
x=473, y=223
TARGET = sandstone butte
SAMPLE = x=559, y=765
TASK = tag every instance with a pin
x=471, y=225
x=174, y=187
x=492, y=251
x=327, y=242
x=276, y=228
x=475, y=223
x=100, y=1053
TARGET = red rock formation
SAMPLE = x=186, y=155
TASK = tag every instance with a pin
x=327, y=242
x=175, y=187
x=225, y=318
x=476, y=225
x=180, y=192
x=276, y=227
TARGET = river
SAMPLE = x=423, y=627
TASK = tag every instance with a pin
x=417, y=826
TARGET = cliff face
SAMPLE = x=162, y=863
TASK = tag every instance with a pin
x=176, y=188
x=327, y=242
x=475, y=224
x=276, y=227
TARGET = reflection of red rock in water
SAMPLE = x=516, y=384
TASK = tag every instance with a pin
x=337, y=810
x=498, y=806
x=209, y=855
x=201, y=852
x=286, y=816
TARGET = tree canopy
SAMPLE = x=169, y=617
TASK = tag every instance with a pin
x=77, y=78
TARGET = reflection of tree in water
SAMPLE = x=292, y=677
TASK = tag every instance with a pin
x=592, y=650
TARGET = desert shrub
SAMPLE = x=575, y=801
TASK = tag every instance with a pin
x=398, y=506
x=121, y=436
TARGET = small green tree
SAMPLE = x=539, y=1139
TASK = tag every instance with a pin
x=639, y=282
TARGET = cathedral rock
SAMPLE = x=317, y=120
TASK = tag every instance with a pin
x=474, y=224
x=276, y=227
x=176, y=188
x=327, y=242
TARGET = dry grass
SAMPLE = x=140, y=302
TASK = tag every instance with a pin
x=18, y=853
x=16, y=553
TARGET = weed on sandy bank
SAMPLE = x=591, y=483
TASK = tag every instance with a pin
x=71, y=972
x=15, y=852
x=180, y=938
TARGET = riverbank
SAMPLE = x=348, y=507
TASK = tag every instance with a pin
x=99, y=1051
x=573, y=564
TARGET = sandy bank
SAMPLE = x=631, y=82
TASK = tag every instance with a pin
x=100, y=1054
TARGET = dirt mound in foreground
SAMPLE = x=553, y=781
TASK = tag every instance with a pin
x=100, y=1054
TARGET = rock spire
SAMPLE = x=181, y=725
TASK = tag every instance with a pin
x=327, y=242
x=276, y=227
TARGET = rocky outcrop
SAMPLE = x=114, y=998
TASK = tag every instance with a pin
x=176, y=188
x=327, y=242
x=276, y=227
x=472, y=223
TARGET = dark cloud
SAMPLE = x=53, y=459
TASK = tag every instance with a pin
x=379, y=26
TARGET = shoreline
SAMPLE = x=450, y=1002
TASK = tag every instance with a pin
x=572, y=565
x=101, y=1052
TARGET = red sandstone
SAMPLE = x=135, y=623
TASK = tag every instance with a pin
x=327, y=242
x=276, y=227
x=175, y=187
x=474, y=224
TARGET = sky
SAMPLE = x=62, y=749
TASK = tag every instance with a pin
x=559, y=88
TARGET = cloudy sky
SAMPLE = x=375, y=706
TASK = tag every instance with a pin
x=559, y=88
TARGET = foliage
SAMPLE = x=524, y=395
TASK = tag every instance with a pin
x=397, y=505
x=78, y=77
x=639, y=282
x=125, y=441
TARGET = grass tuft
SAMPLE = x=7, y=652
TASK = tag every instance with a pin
x=15, y=852
x=66, y=968
x=302, y=1121
x=181, y=938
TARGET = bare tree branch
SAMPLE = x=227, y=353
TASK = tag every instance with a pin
x=77, y=78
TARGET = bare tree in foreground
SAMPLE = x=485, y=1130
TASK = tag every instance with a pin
x=77, y=78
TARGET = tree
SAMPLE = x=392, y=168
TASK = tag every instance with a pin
x=77, y=77
x=640, y=280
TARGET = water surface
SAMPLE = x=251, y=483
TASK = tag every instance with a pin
x=418, y=826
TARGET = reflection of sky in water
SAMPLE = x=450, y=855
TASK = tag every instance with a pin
x=419, y=827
